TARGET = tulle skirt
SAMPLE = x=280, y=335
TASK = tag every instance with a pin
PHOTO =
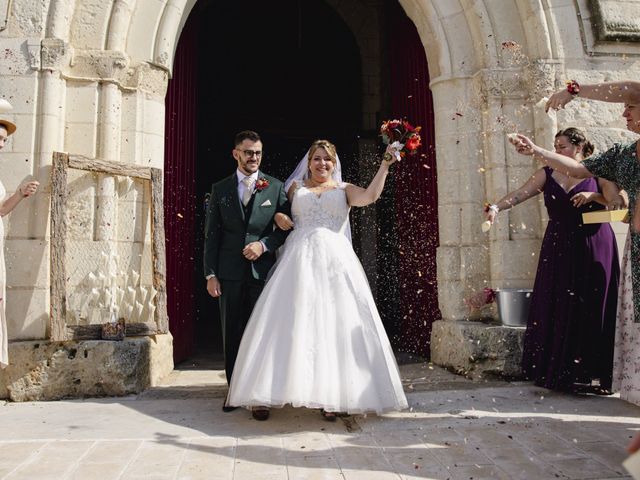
x=315, y=338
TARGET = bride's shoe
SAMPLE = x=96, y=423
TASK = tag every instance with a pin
x=328, y=416
x=260, y=413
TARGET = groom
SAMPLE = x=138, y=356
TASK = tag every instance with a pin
x=240, y=242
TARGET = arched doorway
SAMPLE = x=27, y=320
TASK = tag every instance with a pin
x=291, y=70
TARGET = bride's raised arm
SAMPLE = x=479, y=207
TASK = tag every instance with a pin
x=361, y=197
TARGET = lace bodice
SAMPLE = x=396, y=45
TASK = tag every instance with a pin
x=327, y=210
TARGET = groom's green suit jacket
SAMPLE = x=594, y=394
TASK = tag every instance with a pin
x=228, y=229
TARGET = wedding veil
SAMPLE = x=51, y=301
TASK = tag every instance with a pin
x=301, y=172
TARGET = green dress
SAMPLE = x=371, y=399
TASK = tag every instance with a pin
x=620, y=165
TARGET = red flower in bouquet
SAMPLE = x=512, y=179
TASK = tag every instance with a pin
x=413, y=143
x=401, y=135
x=261, y=184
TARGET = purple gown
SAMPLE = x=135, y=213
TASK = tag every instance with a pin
x=570, y=331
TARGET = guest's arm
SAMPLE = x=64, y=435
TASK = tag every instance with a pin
x=566, y=165
x=636, y=227
x=531, y=188
x=25, y=190
x=612, y=195
x=621, y=92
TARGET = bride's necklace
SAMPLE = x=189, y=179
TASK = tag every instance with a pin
x=311, y=184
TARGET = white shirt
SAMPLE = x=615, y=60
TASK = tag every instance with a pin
x=241, y=186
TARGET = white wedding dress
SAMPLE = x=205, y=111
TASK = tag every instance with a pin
x=4, y=349
x=315, y=338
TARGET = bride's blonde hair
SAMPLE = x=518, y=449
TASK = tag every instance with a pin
x=329, y=147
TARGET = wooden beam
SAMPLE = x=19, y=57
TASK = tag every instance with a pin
x=110, y=168
x=158, y=250
x=58, y=289
x=94, y=332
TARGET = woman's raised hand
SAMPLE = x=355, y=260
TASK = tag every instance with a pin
x=523, y=144
x=283, y=221
x=391, y=154
x=558, y=100
x=29, y=188
x=490, y=215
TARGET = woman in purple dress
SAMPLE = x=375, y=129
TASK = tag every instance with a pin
x=570, y=332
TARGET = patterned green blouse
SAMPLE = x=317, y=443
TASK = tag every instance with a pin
x=620, y=165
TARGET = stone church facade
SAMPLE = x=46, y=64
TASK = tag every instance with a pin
x=89, y=77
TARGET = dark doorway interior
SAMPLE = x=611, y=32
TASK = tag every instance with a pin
x=289, y=70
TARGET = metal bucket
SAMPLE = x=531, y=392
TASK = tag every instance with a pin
x=513, y=306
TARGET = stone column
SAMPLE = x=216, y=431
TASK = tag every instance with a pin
x=462, y=258
x=108, y=149
x=476, y=164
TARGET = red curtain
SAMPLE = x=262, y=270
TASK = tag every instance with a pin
x=416, y=193
x=179, y=192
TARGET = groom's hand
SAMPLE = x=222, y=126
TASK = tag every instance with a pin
x=213, y=287
x=253, y=250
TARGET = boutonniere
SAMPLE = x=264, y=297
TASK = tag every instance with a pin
x=261, y=184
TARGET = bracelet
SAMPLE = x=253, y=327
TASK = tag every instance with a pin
x=573, y=88
x=488, y=207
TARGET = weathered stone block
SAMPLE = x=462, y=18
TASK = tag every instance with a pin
x=27, y=313
x=27, y=263
x=450, y=299
x=81, y=138
x=477, y=349
x=81, y=103
x=448, y=263
x=449, y=224
x=152, y=150
x=41, y=370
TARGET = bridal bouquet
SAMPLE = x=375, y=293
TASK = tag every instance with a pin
x=403, y=137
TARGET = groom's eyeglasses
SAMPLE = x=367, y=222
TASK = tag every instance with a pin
x=251, y=153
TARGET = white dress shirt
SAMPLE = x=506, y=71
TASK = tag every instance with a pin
x=241, y=186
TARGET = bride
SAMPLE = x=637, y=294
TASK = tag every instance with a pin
x=315, y=338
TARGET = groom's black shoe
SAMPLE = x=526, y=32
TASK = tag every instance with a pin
x=227, y=408
x=260, y=413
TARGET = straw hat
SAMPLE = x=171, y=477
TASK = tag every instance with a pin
x=5, y=107
x=11, y=127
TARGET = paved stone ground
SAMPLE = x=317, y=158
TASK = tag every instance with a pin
x=455, y=429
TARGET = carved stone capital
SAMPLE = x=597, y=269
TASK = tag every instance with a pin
x=54, y=54
x=543, y=77
x=149, y=78
x=102, y=65
x=501, y=83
